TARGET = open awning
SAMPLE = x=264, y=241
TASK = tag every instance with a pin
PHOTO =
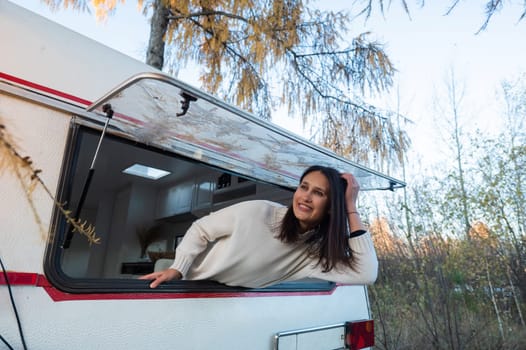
x=164, y=112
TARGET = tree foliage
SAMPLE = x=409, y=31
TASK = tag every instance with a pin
x=281, y=54
x=491, y=8
x=438, y=287
x=266, y=54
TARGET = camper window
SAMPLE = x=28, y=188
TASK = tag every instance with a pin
x=140, y=200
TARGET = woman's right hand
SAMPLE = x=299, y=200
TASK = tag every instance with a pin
x=162, y=276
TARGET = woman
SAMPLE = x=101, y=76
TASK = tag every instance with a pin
x=260, y=243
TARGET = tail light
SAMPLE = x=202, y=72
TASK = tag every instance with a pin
x=359, y=335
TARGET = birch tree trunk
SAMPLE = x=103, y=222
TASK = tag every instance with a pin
x=455, y=99
x=494, y=301
x=515, y=299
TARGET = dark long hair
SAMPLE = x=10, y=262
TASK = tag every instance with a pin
x=330, y=243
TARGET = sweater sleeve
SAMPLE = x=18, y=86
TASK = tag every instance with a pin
x=201, y=233
x=365, y=264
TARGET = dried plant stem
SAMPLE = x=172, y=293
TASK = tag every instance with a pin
x=28, y=175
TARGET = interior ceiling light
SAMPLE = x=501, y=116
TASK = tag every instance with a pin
x=145, y=171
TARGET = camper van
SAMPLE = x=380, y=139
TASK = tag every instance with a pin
x=139, y=156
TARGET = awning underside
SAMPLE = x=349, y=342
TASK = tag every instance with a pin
x=148, y=106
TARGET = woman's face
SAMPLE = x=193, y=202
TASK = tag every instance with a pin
x=311, y=200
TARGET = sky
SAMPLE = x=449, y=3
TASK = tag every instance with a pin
x=424, y=47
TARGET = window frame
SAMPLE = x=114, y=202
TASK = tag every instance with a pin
x=55, y=251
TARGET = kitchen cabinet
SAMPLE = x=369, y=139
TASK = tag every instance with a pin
x=202, y=197
x=189, y=197
x=175, y=200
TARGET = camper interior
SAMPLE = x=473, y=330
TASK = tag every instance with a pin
x=141, y=201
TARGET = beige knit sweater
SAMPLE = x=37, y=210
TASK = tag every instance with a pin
x=237, y=246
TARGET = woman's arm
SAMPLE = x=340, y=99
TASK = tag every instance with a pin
x=364, y=268
x=203, y=231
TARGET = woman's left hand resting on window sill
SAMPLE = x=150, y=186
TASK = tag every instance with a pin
x=162, y=276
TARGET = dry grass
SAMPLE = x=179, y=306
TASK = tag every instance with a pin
x=22, y=167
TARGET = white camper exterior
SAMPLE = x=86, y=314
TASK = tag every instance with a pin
x=53, y=84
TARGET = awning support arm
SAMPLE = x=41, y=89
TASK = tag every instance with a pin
x=109, y=114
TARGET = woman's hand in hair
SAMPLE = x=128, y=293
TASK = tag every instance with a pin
x=351, y=196
x=351, y=191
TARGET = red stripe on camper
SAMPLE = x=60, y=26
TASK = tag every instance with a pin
x=37, y=280
x=59, y=94
x=43, y=88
